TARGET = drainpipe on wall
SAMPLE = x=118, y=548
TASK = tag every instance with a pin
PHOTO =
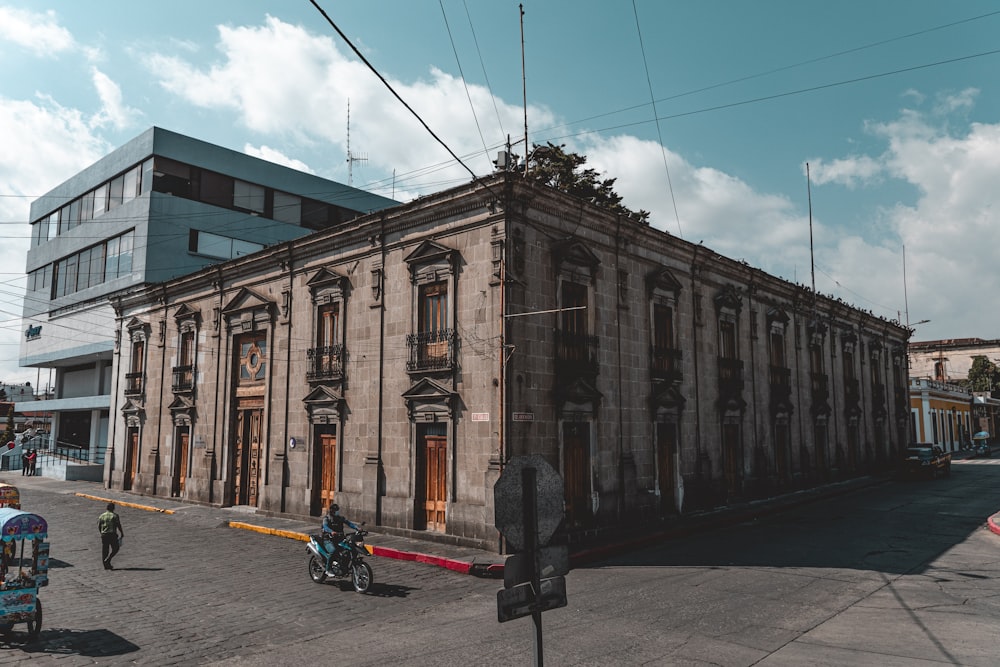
x=618, y=341
x=381, y=373
x=287, y=305
x=157, y=456
x=221, y=361
x=697, y=376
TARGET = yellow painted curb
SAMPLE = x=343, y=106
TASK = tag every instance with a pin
x=122, y=503
x=290, y=534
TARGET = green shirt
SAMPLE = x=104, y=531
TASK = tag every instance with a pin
x=108, y=523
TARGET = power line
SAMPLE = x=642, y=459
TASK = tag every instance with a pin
x=397, y=95
x=465, y=83
x=659, y=134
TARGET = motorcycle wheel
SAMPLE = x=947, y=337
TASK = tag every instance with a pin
x=317, y=571
x=361, y=576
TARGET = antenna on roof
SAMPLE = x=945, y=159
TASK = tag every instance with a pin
x=351, y=157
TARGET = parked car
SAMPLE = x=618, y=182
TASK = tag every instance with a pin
x=926, y=460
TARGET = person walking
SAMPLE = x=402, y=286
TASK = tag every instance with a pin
x=111, y=530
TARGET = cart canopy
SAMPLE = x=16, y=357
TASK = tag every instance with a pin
x=982, y=435
x=10, y=496
x=19, y=525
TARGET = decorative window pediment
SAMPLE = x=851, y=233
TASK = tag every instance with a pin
x=729, y=298
x=133, y=413
x=138, y=330
x=574, y=258
x=186, y=313
x=431, y=262
x=578, y=396
x=324, y=405
x=428, y=400
x=182, y=410
x=327, y=286
x=662, y=282
x=667, y=401
x=777, y=316
x=248, y=311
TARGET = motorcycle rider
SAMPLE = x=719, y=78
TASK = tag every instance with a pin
x=333, y=528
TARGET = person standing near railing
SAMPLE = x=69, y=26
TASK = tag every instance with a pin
x=24, y=462
x=32, y=461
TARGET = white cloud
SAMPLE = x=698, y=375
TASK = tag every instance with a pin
x=276, y=156
x=851, y=172
x=292, y=86
x=38, y=32
x=60, y=142
x=113, y=111
x=282, y=81
x=950, y=103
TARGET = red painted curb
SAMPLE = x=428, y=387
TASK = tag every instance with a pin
x=992, y=523
x=448, y=563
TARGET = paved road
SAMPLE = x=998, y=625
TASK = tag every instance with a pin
x=899, y=574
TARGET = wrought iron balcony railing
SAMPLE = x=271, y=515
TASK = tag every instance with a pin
x=665, y=364
x=730, y=376
x=431, y=350
x=134, y=383
x=183, y=379
x=325, y=363
x=576, y=354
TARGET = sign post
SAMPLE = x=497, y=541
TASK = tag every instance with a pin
x=528, y=507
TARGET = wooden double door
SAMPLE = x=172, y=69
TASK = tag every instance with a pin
x=576, y=474
x=432, y=478
x=325, y=470
x=247, y=454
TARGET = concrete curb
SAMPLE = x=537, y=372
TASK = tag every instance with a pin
x=124, y=503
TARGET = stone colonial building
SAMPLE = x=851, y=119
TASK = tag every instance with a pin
x=395, y=363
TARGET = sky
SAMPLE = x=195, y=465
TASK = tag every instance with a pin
x=707, y=113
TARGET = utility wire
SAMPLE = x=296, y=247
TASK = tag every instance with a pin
x=486, y=77
x=659, y=134
x=465, y=84
x=780, y=69
x=790, y=93
x=397, y=95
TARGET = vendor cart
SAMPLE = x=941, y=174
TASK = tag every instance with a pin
x=24, y=568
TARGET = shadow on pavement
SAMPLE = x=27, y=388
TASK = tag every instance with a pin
x=63, y=641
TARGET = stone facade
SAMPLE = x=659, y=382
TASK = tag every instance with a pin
x=397, y=362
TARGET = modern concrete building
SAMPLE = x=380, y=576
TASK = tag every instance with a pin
x=397, y=362
x=161, y=206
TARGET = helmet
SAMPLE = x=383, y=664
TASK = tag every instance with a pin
x=334, y=508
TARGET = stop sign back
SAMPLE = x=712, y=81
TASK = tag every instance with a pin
x=508, y=500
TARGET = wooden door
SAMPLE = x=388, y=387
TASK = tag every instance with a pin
x=131, y=458
x=781, y=447
x=182, y=457
x=576, y=473
x=435, y=481
x=732, y=459
x=246, y=453
x=327, y=468
x=665, y=447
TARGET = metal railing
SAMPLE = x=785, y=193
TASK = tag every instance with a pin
x=325, y=363
x=431, y=350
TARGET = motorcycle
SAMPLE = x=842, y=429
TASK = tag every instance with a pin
x=348, y=559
